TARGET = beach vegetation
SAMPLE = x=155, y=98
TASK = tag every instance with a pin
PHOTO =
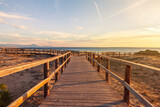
x=148, y=53
x=5, y=97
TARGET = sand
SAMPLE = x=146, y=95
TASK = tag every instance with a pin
x=20, y=82
x=145, y=81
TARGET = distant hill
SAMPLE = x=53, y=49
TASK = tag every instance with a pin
x=18, y=45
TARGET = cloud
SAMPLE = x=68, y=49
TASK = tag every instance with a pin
x=61, y=35
x=12, y=25
x=10, y=35
x=15, y=38
x=78, y=28
x=13, y=16
x=139, y=2
x=99, y=15
x=135, y=34
x=153, y=29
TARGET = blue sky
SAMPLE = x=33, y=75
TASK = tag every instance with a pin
x=80, y=23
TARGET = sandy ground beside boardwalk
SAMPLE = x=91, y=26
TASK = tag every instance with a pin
x=145, y=81
x=20, y=82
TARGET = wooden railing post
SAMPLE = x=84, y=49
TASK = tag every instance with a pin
x=62, y=60
x=57, y=52
x=69, y=58
x=46, y=75
x=108, y=67
x=113, y=54
x=130, y=53
x=94, y=59
x=56, y=66
x=88, y=56
x=99, y=61
x=65, y=60
x=127, y=79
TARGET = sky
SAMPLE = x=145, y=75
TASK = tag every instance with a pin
x=80, y=23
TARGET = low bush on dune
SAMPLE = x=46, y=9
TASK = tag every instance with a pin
x=5, y=97
x=148, y=52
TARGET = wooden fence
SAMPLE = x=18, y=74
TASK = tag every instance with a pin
x=92, y=57
x=23, y=51
x=64, y=58
x=59, y=68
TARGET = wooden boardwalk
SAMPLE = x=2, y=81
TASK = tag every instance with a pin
x=81, y=85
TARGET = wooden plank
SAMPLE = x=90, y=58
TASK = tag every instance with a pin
x=80, y=85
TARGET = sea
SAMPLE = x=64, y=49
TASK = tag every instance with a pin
x=105, y=49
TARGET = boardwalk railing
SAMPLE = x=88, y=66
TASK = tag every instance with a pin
x=30, y=51
x=117, y=54
x=126, y=82
x=64, y=59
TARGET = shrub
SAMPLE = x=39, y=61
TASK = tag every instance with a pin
x=5, y=97
x=148, y=52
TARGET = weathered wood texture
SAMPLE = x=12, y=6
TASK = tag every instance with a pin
x=81, y=85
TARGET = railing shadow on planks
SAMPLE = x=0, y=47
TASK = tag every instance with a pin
x=65, y=58
x=91, y=57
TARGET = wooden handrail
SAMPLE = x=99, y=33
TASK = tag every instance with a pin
x=9, y=71
x=29, y=51
x=126, y=85
x=26, y=95
x=131, y=63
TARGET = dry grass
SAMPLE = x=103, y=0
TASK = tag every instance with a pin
x=20, y=82
x=145, y=81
